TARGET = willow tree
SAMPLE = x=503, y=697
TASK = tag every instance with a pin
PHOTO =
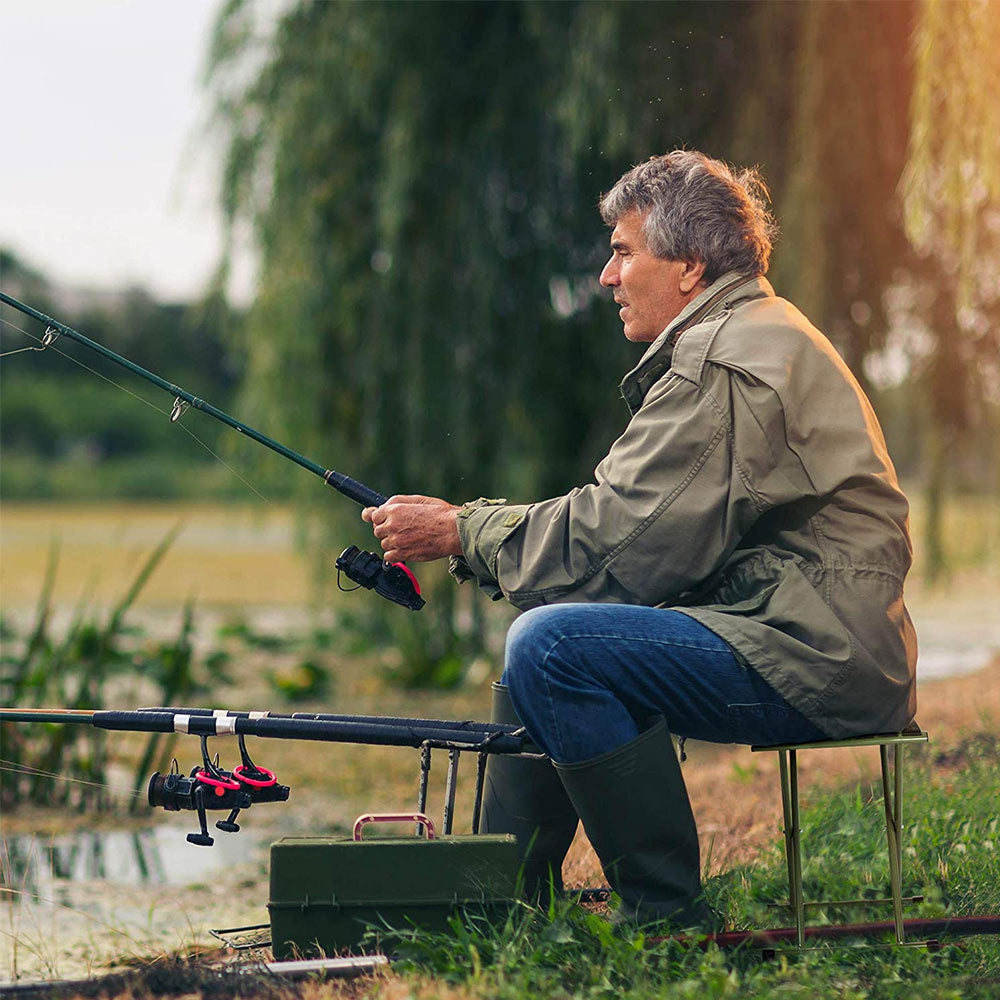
x=845, y=149
x=886, y=167
x=952, y=200
x=420, y=180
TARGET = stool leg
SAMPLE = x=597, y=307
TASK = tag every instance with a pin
x=893, y=800
x=793, y=849
x=800, y=913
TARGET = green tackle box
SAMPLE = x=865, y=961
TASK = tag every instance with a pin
x=326, y=892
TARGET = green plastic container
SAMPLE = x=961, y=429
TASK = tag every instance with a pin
x=326, y=892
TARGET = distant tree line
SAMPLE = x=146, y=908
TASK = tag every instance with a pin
x=65, y=432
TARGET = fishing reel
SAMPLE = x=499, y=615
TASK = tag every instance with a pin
x=210, y=787
x=393, y=581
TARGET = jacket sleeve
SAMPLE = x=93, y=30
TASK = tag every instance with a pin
x=668, y=505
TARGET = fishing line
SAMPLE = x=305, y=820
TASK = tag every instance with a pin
x=134, y=395
x=77, y=361
x=72, y=909
x=20, y=350
x=393, y=581
x=25, y=332
x=13, y=766
x=250, y=487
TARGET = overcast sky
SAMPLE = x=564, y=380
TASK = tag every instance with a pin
x=105, y=177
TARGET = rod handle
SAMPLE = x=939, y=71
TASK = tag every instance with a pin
x=354, y=490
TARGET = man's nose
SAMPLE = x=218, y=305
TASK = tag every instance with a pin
x=609, y=276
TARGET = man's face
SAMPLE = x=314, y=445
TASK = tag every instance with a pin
x=650, y=290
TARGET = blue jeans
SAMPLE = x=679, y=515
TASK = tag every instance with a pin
x=585, y=678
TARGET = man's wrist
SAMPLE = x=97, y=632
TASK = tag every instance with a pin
x=454, y=539
x=483, y=526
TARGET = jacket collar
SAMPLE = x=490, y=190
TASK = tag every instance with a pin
x=723, y=294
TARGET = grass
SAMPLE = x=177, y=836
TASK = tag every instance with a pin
x=952, y=858
x=74, y=670
x=952, y=845
x=231, y=556
x=243, y=559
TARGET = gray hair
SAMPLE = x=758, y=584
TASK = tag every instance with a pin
x=697, y=208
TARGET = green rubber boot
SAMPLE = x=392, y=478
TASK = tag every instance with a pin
x=526, y=798
x=636, y=812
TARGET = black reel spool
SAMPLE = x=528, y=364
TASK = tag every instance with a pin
x=393, y=581
x=209, y=787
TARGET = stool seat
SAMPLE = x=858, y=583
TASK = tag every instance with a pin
x=911, y=734
x=892, y=794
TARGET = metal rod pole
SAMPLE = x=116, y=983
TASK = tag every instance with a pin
x=425, y=771
x=65, y=716
x=932, y=928
x=794, y=889
x=477, y=805
x=793, y=784
x=450, y=788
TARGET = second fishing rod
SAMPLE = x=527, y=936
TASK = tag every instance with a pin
x=394, y=581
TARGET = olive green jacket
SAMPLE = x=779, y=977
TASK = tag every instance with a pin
x=751, y=490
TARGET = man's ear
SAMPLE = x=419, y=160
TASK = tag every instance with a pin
x=691, y=275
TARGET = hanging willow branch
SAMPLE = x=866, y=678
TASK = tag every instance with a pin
x=953, y=174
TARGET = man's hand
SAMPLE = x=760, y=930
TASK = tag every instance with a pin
x=415, y=528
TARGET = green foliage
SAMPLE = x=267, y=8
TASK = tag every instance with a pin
x=435, y=647
x=304, y=681
x=951, y=203
x=141, y=477
x=423, y=236
x=951, y=856
x=952, y=180
x=837, y=159
x=308, y=679
x=60, y=421
x=242, y=631
x=75, y=671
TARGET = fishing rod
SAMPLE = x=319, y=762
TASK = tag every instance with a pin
x=393, y=581
x=208, y=786
x=369, y=730
x=467, y=724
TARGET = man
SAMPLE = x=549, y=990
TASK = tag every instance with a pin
x=734, y=573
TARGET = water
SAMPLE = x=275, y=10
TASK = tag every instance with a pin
x=72, y=905
x=957, y=633
x=40, y=868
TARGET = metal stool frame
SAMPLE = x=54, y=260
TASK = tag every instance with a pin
x=892, y=794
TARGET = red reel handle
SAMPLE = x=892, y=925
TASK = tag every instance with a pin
x=268, y=780
x=218, y=783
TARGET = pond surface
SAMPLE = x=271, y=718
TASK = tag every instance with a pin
x=38, y=867
x=73, y=904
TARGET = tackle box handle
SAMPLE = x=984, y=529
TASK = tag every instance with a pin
x=410, y=817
